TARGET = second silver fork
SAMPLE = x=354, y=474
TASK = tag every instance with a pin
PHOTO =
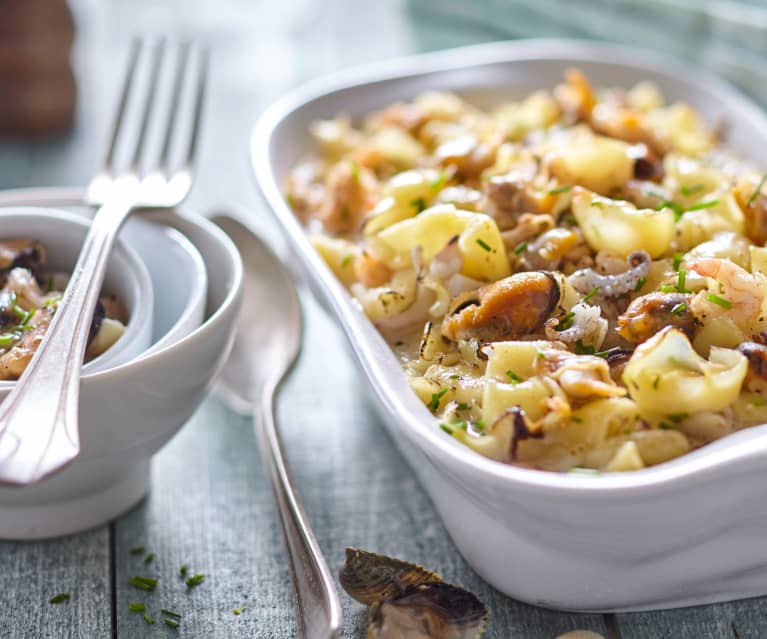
x=39, y=429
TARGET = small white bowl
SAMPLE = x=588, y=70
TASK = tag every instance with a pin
x=62, y=234
x=129, y=412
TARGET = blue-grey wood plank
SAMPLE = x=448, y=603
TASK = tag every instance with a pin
x=32, y=573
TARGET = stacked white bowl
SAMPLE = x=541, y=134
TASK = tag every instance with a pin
x=180, y=278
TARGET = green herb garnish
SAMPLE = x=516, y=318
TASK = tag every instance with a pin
x=171, y=623
x=137, y=607
x=143, y=583
x=138, y=550
x=591, y=294
x=576, y=419
x=419, y=203
x=462, y=406
x=515, y=379
x=196, y=580
x=678, y=257
x=687, y=191
x=587, y=349
x=149, y=558
x=170, y=613
x=640, y=283
x=347, y=260
x=355, y=169
x=665, y=426
x=435, y=398
x=759, y=401
x=440, y=181
x=566, y=322
x=148, y=618
x=448, y=429
x=484, y=244
x=757, y=191
x=583, y=471
x=60, y=598
x=519, y=248
x=677, y=417
x=678, y=212
x=681, y=280
x=679, y=309
x=559, y=189
x=183, y=570
x=702, y=205
x=656, y=382
x=719, y=301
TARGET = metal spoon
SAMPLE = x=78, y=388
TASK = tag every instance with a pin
x=266, y=345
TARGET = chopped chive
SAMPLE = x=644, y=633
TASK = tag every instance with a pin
x=591, y=294
x=171, y=623
x=455, y=377
x=183, y=570
x=484, y=244
x=519, y=248
x=515, y=379
x=681, y=281
x=355, y=168
x=702, y=205
x=677, y=417
x=667, y=288
x=559, y=189
x=665, y=426
x=196, y=580
x=540, y=355
x=566, y=322
x=347, y=260
x=435, y=398
x=462, y=406
x=60, y=598
x=148, y=618
x=138, y=550
x=9, y=339
x=49, y=286
x=656, y=382
x=583, y=471
x=678, y=257
x=569, y=218
x=687, y=191
x=237, y=611
x=170, y=613
x=479, y=425
x=149, y=558
x=137, y=607
x=576, y=419
x=640, y=283
x=719, y=301
x=440, y=181
x=757, y=191
x=759, y=401
x=50, y=302
x=678, y=212
x=419, y=203
x=143, y=583
x=679, y=309
x=446, y=428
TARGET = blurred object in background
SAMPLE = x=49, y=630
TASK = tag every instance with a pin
x=728, y=36
x=37, y=86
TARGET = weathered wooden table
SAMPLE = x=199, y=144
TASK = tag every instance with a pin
x=210, y=507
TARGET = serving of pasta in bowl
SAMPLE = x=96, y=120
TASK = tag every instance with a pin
x=549, y=258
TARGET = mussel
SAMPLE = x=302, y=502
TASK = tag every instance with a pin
x=410, y=602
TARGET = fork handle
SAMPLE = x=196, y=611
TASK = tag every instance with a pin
x=318, y=608
x=39, y=418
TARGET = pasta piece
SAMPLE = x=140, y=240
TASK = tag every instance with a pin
x=484, y=256
x=339, y=255
x=513, y=361
x=627, y=458
x=658, y=446
x=665, y=375
x=618, y=226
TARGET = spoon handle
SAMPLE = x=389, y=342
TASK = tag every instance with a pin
x=39, y=418
x=317, y=604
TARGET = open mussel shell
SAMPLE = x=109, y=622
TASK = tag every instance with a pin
x=433, y=610
x=371, y=578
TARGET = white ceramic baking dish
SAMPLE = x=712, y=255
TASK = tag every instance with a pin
x=686, y=532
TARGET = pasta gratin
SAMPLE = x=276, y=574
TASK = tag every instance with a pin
x=572, y=282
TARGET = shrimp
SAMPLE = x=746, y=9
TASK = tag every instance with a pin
x=742, y=293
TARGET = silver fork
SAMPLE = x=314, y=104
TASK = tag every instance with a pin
x=39, y=430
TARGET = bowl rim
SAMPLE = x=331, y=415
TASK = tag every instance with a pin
x=138, y=274
x=75, y=196
x=682, y=471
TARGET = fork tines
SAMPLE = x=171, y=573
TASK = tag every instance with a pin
x=157, y=126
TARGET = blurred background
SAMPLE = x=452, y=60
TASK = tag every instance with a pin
x=61, y=63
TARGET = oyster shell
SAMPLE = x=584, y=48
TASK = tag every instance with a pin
x=433, y=610
x=371, y=578
x=408, y=601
